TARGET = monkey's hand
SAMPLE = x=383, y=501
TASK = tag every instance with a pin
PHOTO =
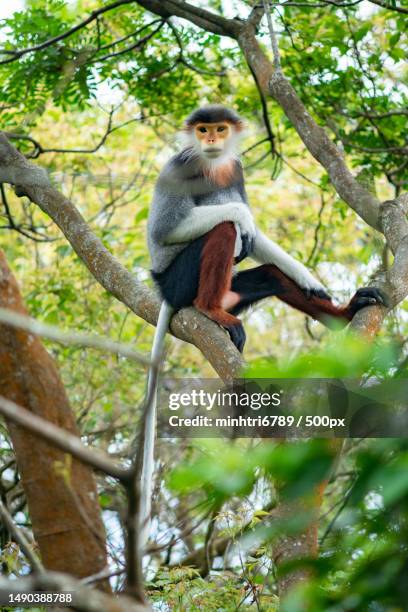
x=244, y=246
x=246, y=232
x=246, y=223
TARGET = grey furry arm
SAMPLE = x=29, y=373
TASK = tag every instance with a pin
x=202, y=219
x=266, y=251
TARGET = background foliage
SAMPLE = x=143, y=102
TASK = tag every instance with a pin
x=100, y=110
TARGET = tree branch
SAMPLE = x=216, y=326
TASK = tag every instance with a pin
x=62, y=439
x=86, y=599
x=39, y=149
x=390, y=7
x=139, y=44
x=188, y=324
x=70, y=338
x=16, y=54
x=394, y=282
x=20, y=539
x=276, y=85
x=274, y=43
x=200, y=17
x=313, y=136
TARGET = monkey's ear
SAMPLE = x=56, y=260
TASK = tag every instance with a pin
x=185, y=138
x=240, y=126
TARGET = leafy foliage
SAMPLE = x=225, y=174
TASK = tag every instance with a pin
x=215, y=528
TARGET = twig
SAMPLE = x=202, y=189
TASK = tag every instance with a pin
x=136, y=45
x=24, y=231
x=254, y=146
x=339, y=511
x=390, y=6
x=16, y=54
x=274, y=42
x=62, y=439
x=127, y=36
x=208, y=539
x=39, y=149
x=317, y=230
x=105, y=573
x=267, y=123
x=182, y=59
x=51, y=332
x=20, y=538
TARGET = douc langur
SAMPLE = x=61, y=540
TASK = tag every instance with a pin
x=199, y=226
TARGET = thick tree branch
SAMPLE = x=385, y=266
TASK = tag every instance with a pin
x=61, y=439
x=276, y=85
x=188, y=324
x=314, y=137
x=86, y=599
x=394, y=282
x=200, y=17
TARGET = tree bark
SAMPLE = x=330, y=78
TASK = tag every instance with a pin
x=61, y=492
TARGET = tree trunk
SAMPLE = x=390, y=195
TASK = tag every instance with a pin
x=61, y=492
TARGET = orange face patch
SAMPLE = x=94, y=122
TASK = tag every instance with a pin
x=212, y=133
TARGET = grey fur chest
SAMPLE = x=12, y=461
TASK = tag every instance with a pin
x=179, y=189
x=222, y=196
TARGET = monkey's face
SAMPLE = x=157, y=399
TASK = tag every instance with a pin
x=213, y=138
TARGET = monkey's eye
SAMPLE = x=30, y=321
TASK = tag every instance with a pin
x=202, y=130
x=221, y=128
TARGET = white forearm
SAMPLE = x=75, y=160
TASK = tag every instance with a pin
x=268, y=252
x=202, y=219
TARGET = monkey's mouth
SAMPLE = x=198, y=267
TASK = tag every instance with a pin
x=213, y=152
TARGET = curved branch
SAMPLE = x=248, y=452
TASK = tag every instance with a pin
x=20, y=538
x=62, y=439
x=200, y=17
x=85, y=598
x=182, y=60
x=386, y=5
x=139, y=44
x=314, y=137
x=277, y=86
x=39, y=149
x=188, y=324
x=16, y=54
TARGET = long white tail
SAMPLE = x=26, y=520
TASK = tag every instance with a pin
x=146, y=484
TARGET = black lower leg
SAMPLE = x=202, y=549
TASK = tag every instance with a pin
x=254, y=285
